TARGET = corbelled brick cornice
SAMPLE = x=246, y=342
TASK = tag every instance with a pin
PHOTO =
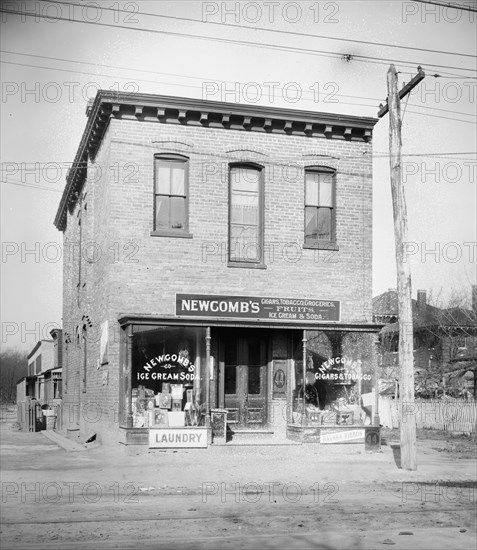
x=197, y=112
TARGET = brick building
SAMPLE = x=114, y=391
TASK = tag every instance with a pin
x=217, y=256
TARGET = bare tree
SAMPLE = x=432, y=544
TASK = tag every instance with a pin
x=13, y=366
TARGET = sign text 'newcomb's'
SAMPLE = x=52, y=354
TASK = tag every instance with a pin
x=255, y=307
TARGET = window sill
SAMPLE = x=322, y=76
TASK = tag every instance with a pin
x=171, y=233
x=321, y=245
x=246, y=265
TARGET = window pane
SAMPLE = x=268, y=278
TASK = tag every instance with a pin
x=326, y=191
x=177, y=215
x=245, y=179
x=254, y=380
x=244, y=208
x=254, y=352
x=162, y=212
x=178, y=173
x=312, y=188
x=230, y=352
x=163, y=178
x=230, y=380
x=324, y=223
x=244, y=243
x=311, y=222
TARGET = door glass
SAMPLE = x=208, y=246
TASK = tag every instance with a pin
x=230, y=382
x=254, y=380
x=254, y=349
x=230, y=373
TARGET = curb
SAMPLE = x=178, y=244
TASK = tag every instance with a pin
x=63, y=442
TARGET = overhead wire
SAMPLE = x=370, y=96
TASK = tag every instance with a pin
x=306, y=51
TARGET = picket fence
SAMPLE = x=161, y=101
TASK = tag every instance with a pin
x=456, y=415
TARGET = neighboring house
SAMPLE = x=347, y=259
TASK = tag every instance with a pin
x=445, y=345
x=218, y=244
x=43, y=380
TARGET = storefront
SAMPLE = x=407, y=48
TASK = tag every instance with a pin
x=285, y=367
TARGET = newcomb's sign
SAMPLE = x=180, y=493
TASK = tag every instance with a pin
x=256, y=307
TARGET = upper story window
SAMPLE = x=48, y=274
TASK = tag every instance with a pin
x=461, y=342
x=246, y=216
x=320, y=208
x=171, y=195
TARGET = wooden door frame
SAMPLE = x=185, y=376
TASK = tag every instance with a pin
x=268, y=336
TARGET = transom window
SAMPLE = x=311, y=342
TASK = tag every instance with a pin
x=170, y=193
x=246, y=216
x=319, y=205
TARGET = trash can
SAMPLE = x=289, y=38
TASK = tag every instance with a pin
x=50, y=415
x=218, y=420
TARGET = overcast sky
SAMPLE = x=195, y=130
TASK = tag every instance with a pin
x=50, y=67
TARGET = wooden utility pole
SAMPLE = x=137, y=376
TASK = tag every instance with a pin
x=406, y=355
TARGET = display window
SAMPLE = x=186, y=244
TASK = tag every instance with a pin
x=165, y=388
x=336, y=387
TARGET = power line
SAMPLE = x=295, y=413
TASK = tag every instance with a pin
x=201, y=78
x=304, y=99
x=307, y=51
x=279, y=31
x=447, y=5
x=21, y=184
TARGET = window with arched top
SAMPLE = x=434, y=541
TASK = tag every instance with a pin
x=246, y=214
x=171, y=176
x=320, y=206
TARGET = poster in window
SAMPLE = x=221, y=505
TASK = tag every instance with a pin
x=104, y=344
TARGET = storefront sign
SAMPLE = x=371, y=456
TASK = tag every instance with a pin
x=253, y=307
x=167, y=438
x=356, y=436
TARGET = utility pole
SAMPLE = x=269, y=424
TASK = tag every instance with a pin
x=406, y=355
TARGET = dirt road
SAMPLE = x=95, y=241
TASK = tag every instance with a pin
x=250, y=497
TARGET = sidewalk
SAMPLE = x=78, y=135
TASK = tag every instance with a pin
x=23, y=453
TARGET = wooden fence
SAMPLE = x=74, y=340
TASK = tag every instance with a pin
x=456, y=415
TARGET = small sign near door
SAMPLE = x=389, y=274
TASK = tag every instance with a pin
x=279, y=378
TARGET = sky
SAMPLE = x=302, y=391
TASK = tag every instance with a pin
x=326, y=56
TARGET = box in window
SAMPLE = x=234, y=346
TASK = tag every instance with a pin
x=329, y=418
x=166, y=387
x=161, y=418
x=177, y=391
x=176, y=419
x=177, y=404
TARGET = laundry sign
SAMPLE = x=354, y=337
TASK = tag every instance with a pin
x=170, y=438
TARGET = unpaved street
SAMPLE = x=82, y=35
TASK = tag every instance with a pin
x=234, y=497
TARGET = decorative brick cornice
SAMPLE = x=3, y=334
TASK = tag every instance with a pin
x=197, y=112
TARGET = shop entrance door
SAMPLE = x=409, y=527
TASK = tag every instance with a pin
x=243, y=388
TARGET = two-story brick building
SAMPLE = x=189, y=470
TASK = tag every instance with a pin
x=217, y=256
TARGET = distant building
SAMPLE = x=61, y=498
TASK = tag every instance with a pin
x=43, y=380
x=445, y=344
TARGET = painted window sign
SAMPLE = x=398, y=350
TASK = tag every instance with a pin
x=168, y=368
x=256, y=307
x=341, y=368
